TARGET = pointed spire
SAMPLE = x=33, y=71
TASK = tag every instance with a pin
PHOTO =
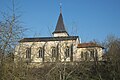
x=60, y=28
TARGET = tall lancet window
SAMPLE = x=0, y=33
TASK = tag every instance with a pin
x=28, y=53
x=71, y=52
x=86, y=55
x=96, y=55
x=67, y=52
x=54, y=53
x=41, y=53
x=92, y=54
x=82, y=55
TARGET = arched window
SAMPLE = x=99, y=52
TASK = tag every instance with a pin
x=41, y=53
x=71, y=52
x=92, y=54
x=96, y=55
x=67, y=52
x=54, y=52
x=82, y=55
x=28, y=53
x=86, y=55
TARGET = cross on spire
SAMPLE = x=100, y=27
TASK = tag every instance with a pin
x=60, y=7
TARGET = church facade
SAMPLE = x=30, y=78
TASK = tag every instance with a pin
x=62, y=47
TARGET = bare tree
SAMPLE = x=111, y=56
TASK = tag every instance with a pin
x=10, y=32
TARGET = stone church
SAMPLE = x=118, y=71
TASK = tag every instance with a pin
x=61, y=47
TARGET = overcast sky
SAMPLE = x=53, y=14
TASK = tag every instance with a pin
x=88, y=19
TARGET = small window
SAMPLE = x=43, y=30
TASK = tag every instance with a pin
x=41, y=53
x=54, y=52
x=67, y=52
x=28, y=53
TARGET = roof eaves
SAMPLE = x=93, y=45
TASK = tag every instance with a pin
x=48, y=39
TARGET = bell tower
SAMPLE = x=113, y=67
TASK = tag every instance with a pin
x=60, y=28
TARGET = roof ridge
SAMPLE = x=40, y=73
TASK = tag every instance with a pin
x=48, y=39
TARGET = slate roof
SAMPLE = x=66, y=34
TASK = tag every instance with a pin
x=44, y=39
x=60, y=28
x=88, y=45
